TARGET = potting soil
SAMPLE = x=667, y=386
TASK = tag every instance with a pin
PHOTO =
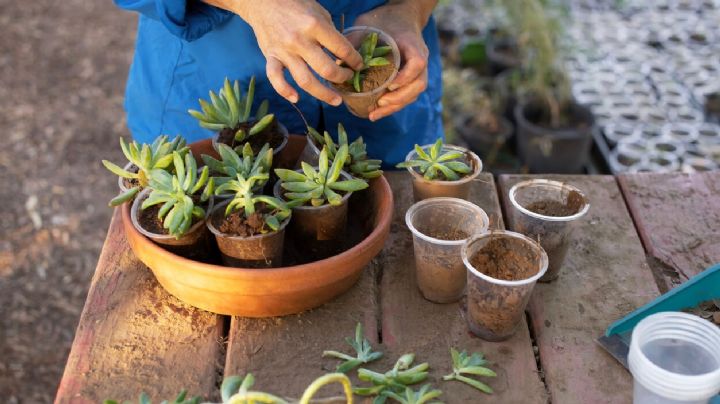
x=236, y=224
x=372, y=78
x=506, y=259
x=553, y=208
x=271, y=135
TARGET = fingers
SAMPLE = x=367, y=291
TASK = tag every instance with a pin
x=415, y=56
x=274, y=71
x=308, y=82
x=394, y=101
x=324, y=65
x=339, y=46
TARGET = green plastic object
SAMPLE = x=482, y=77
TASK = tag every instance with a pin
x=702, y=287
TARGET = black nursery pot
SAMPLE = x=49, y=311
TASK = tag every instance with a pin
x=549, y=150
x=480, y=140
x=502, y=54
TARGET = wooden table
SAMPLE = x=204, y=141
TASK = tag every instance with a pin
x=643, y=234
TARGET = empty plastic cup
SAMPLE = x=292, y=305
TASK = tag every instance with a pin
x=547, y=211
x=675, y=358
x=440, y=226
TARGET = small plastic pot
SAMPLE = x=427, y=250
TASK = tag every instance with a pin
x=424, y=189
x=320, y=230
x=361, y=104
x=674, y=357
x=495, y=307
x=482, y=142
x=129, y=167
x=259, y=251
x=440, y=227
x=310, y=153
x=194, y=244
x=553, y=232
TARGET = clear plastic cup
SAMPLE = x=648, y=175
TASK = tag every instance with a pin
x=675, y=358
x=495, y=307
x=440, y=227
x=553, y=232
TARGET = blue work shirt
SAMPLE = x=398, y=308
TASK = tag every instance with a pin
x=186, y=47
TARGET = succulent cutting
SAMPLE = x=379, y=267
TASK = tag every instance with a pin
x=363, y=350
x=319, y=186
x=473, y=365
x=176, y=191
x=433, y=163
x=229, y=109
x=246, y=200
x=357, y=162
x=372, y=56
x=145, y=157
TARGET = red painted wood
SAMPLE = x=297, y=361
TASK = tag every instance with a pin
x=604, y=277
x=134, y=337
x=678, y=218
x=412, y=324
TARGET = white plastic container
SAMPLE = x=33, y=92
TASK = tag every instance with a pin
x=675, y=358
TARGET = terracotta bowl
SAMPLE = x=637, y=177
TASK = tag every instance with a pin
x=269, y=292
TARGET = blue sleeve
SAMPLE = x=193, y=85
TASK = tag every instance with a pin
x=187, y=19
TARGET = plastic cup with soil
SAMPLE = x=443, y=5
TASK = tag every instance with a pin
x=310, y=153
x=424, y=188
x=503, y=268
x=194, y=244
x=440, y=227
x=126, y=183
x=241, y=240
x=276, y=135
x=547, y=211
x=375, y=80
x=318, y=230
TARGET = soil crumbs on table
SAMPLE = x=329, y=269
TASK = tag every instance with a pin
x=506, y=259
x=548, y=207
x=54, y=193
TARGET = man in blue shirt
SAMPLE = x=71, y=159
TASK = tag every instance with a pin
x=186, y=47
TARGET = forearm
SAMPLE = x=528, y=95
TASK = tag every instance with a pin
x=420, y=10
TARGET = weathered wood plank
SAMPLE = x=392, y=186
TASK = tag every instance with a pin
x=285, y=353
x=678, y=219
x=413, y=324
x=604, y=277
x=133, y=336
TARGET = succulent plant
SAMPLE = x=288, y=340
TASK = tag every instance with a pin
x=176, y=191
x=410, y=396
x=146, y=157
x=357, y=162
x=319, y=186
x=228, y=109
x=144, y=399
x=431, y=163
x=231, y=164
x=464, y=364
x=246, y=199
x=362, y=348
x=394, y=380
x=372, y=56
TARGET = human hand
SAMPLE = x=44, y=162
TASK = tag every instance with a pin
x=404, y=23
x=292, y=34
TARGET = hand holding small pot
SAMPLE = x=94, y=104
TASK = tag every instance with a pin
x=404, y=22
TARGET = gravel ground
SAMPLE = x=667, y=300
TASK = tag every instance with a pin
x=62, y=73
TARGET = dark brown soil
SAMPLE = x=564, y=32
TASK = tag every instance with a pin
x=271, y=135
x=131, y=182
x=452, y=235
x=149, y=220
x=574, y=203
x=236, y=224
x=505, y=259
x=372, y=78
